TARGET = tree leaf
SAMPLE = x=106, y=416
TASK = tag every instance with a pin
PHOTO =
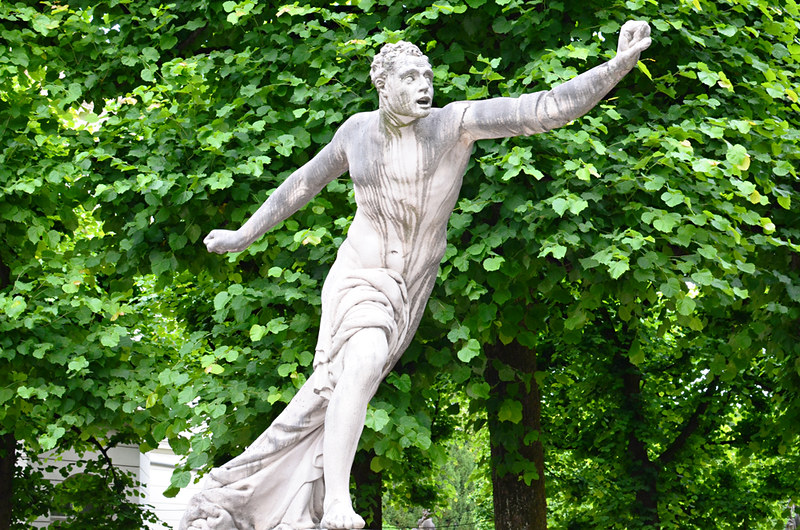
x=469, y=351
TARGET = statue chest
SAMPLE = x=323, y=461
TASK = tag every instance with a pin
x=410, y=168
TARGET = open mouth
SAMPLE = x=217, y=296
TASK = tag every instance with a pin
x=424, y=101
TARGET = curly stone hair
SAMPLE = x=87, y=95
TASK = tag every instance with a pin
x=384, y=60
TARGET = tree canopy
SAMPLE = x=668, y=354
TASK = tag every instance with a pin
x=630, y=281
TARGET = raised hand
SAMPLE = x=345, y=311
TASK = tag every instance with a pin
x=222, y=241
x=634, y=38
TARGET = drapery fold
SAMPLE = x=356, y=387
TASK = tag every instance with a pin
x=277, y=483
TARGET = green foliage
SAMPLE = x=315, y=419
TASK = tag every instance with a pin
x=637, y=411
x=464, y=497
x=90, y=494
x=129, y=130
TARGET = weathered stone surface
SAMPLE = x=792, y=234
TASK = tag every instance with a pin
x=406, y=160
x=425, y=522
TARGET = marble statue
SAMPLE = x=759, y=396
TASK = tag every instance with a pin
x=406, y=161
x=425, y=522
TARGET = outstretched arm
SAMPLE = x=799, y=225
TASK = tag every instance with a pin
x=543, y=111
x=294, y=193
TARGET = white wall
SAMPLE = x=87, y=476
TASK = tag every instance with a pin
x=157, y=466
x=125, y=457
x=153, y=470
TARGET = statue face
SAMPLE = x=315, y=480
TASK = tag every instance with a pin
x=407, y=90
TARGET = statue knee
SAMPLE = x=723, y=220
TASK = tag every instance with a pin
x=367, y=353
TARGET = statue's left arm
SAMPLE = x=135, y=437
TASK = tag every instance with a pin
x=543, y=111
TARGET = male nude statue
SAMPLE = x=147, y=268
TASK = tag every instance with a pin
x=406, y=160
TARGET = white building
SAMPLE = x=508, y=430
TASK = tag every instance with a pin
x=155, y=471
x=152, y=470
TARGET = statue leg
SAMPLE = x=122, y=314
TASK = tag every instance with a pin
x=364, y=359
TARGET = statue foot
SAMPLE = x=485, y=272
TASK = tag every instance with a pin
x=199, y=524
x=202, y=514
x=341, y=516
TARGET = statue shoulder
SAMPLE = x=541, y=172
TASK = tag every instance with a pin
x=448, y=121
x=457, y=107
x=452, y=111
x=354, y=128
x=358, y=121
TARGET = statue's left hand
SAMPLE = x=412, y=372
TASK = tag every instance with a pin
x=222, y=241
x=634, y=38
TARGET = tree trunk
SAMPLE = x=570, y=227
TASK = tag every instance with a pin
x=8, y=457
x=8, y=443
x=641, y=468
x=368, y=490
x=517, y=505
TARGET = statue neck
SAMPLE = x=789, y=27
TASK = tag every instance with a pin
x=394, y=123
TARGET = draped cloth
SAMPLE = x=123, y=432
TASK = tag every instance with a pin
x=360, y=299
x=277, y=483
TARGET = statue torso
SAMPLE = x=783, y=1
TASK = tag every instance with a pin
x=406, y=182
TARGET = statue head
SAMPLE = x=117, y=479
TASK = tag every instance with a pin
x=404, y=79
